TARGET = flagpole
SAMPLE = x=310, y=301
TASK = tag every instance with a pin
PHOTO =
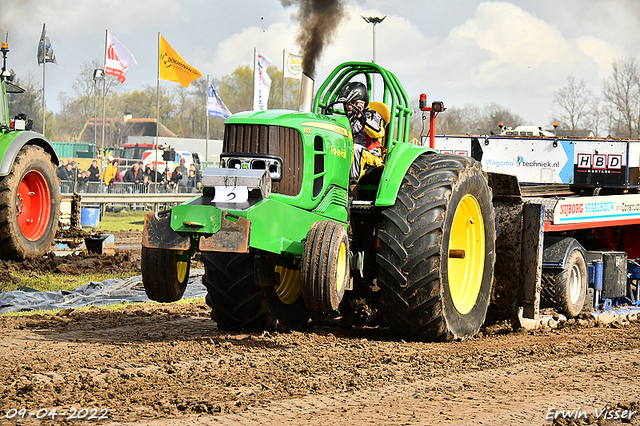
x=104, y=81
x=43, y=42
x=253, y=101
x=284, y=55
x=158, y=108
x=206, y=117
x=44, y=110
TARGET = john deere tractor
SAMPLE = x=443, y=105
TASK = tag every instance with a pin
x=284, y=236
x=29, y=197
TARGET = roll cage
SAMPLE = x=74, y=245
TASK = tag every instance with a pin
x=394, y=96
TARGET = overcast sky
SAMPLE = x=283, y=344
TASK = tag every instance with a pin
x=513, y=53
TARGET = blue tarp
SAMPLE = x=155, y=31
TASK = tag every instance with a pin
x=102, y=293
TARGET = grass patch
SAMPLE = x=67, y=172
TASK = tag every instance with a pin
x=55, y=282
x=113, y=307
x=122, y=221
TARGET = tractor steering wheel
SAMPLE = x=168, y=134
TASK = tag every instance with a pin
x=357, y=112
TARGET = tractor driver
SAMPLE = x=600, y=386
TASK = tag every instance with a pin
x=367, y=137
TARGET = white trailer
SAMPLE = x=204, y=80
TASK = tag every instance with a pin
x=581, y=196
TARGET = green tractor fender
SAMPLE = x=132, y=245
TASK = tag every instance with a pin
x=397, y=164
x=11, y=143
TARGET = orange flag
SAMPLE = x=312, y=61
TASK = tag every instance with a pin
x=173, y=67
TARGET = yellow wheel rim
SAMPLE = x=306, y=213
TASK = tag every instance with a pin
x=341, y=270
x=466, y=254
x=181, y=269
x=290, y=286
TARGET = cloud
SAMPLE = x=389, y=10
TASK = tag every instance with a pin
x=506, y=46
x=352, y=41
x=73, y=17
x=600, y=51
x=237, y=50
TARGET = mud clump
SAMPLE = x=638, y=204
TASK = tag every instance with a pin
x=74, y=233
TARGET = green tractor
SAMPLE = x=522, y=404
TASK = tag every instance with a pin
x=29, y=196
x=284, y=237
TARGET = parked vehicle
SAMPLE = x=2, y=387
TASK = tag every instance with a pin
x=29, y=198
x=588, y=190
x=170, y=158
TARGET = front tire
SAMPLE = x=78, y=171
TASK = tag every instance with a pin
x=29, y=205
x=238, y=303
x=325, y=266
x=164, y=275
x=437, y=250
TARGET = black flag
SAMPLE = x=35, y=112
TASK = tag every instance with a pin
x=45, y=51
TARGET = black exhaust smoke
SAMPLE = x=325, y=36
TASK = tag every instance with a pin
x=318, y=20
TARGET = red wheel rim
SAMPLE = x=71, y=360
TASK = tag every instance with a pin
x=33, y=206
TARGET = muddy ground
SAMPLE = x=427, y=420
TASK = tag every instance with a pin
x=169, y=365
x=126, y=260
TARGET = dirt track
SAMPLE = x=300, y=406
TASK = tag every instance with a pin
x=159, y=365
x=171, y=364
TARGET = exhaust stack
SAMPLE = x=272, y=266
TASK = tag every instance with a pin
x=306, y=93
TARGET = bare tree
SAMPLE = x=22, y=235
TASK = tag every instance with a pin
x=77, y=110
x=188, y=119
x=496, y=114
x=597, y=115
x=621, y=92
x=471, y=119
x=448, y=122
x=572, y=104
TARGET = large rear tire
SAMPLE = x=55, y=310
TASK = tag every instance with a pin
x=437, y=250
x=164, y=276
x=238, y=303
x=29, y=205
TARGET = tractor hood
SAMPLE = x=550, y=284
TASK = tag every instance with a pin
x=287, y=118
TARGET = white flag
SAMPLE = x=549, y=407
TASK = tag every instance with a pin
x=215, y=106
x=119, y=59
x=292, y=65
x=262, y=82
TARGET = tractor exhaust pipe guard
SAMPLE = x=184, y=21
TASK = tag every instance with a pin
x=306, y=93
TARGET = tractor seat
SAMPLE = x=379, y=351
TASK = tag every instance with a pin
x=372, y=175
x=383, y=110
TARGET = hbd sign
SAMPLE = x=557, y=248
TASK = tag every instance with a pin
x=600, y=161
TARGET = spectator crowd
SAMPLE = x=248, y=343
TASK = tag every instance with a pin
x=135, y=179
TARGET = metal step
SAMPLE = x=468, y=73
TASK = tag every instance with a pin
x=362, y=205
